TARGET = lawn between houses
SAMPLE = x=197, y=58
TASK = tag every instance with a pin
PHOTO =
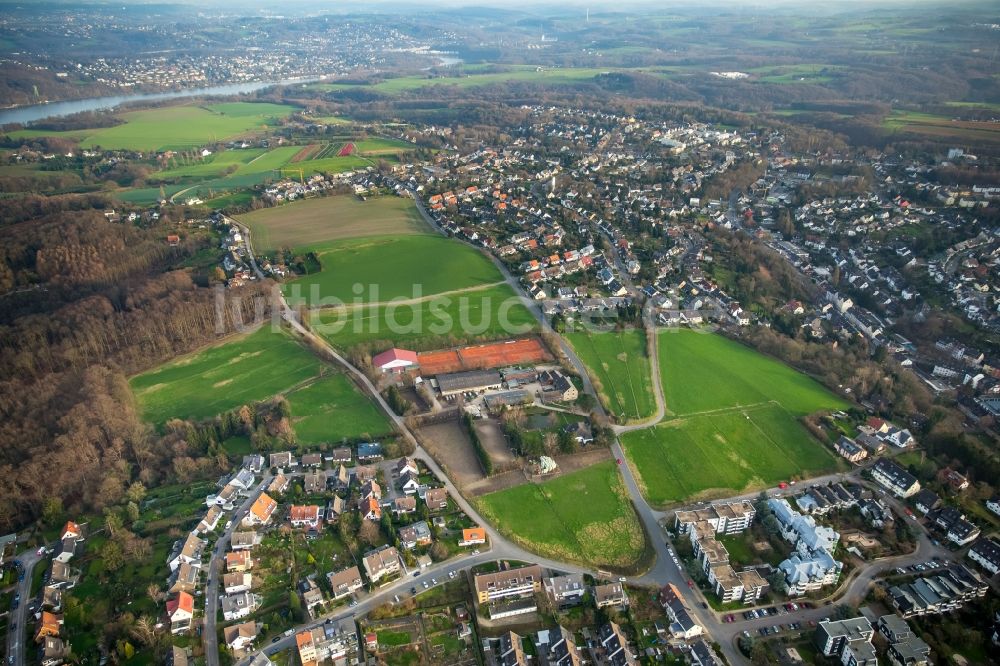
x=619, y=362
x=388, y=267
x=320, y=220
x=584, y=517
x=734, y=424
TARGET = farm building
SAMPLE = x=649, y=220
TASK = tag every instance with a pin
x=497, y=401
x=474, y=380
x=395, y=360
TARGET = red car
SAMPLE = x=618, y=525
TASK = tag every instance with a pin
x=691, y=585
x=619, y=461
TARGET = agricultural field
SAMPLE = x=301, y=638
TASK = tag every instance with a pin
x=439, y=322
x=942, y=126
x=704, y=372
x=242, y=369
x=391, y=267
x=584, y=516
x=621, y=366
x=733, y=423
x=517, y=74
x=176, y=127
x=321, y=220
x=726, y=453
x=331, y=410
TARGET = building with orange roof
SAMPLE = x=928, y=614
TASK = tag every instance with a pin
x=180, y=610
x=71, y=531
x=307, y=647
x=472, y=536
x=238, y=560
x=261, y=511
x=48, y=625
x=371, y=509
x=304, y=515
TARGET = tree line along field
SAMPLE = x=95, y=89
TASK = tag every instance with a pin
x=734, y=425
x=620, y=364
x=441, y=321
x=324, y=219
x=584, y=517
x=390, y=267
x=175, y=127
x=332, y=409
x=234, y=372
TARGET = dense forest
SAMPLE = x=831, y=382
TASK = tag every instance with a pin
x=86, y=302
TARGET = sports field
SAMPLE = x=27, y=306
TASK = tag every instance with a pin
x=316, y=221
x=703, y=372
x=177, y=127
x=733, y=424
x=621, y=366
x=388, y=267
x=240, y=370
x=445, y=321
x=527, y=351
x=584, y=517
x=332, y=409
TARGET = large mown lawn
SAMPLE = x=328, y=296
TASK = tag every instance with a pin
x=723, y=454
x=321, y=220
x=240, y=370
x=388, y=267
x=584, y=516
x=176, y=127
x=703, y=372
x=619, y=362
x=733, y=425
x=443, y=321
x=331, y=410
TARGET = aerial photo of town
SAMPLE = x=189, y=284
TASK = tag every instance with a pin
x=534, y=333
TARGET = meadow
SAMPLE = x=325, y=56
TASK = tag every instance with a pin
x=583, y=517
x=331, y=409
x=388, y=267
x=704, y=372
x=619, y=362
x=942, y=126
x=733, y=425
x=240, y=370
x=444, y=321
x=176, y=127
x=723, y=454
x=517, y=74
x=320, y=220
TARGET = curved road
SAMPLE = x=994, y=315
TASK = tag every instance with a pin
x=18, y=618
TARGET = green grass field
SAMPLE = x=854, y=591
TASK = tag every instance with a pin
x=722, y=454
x=703, y=372
x=493, y=312
x=238, y=371
x=620, y=364
x=388, y=267
x=584, y=516
x=733, y=423
x=176, y=127
x=331, y=409
x=315, y=221
x=518, y=74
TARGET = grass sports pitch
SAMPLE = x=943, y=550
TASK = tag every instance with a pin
x=238, y=371
x=331, y=409
x=618, y=360
x=405, y=266
x=584, y=516
x=321, y=220
x=734, y=424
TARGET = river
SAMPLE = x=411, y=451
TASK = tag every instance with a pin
x=28, y=114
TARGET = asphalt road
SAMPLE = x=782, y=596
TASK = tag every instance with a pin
x=18, y=620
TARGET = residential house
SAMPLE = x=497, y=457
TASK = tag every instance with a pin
x=848, y=449
x=473, y=536
x=370, y=509
x=409, y=483
x=49, y=624
x=850, y=640
x=344, y=582
x=405, y=465
x=339, y=455
x=238, y=561
x=54, y=651
x=404, y=505
x=52, y=599
x=369, y=451
x=724, y=518
x=314, y=482
x=682, y=624
x=986, y=553
x=563, y=651
x=279, y=484
x=956, y=481
x=190, y=551
x=364, y=474
x=381, y=562
x=610, y=595
x=436, y=499
x=926, y=501
x=304, y=515
x=891, y=476
x=282, y=460
x=371, y=489
x=180, y=611
x=905, y=648
x=616, y=650
x=238, y=606
x=417, y=534
x=240, y=637
x=236, y=582
x=568, y=589
x=261, y=511
x=954, y=524
x=334, y=508
x=314, y=460
x=62, y=576
x=333, y=642
x=510, y=651
x=243, y=480
x=185, y=579
x=516, y=582
x=311, y=595
x=211, y=519
x=338, y=479
x=244, y=540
